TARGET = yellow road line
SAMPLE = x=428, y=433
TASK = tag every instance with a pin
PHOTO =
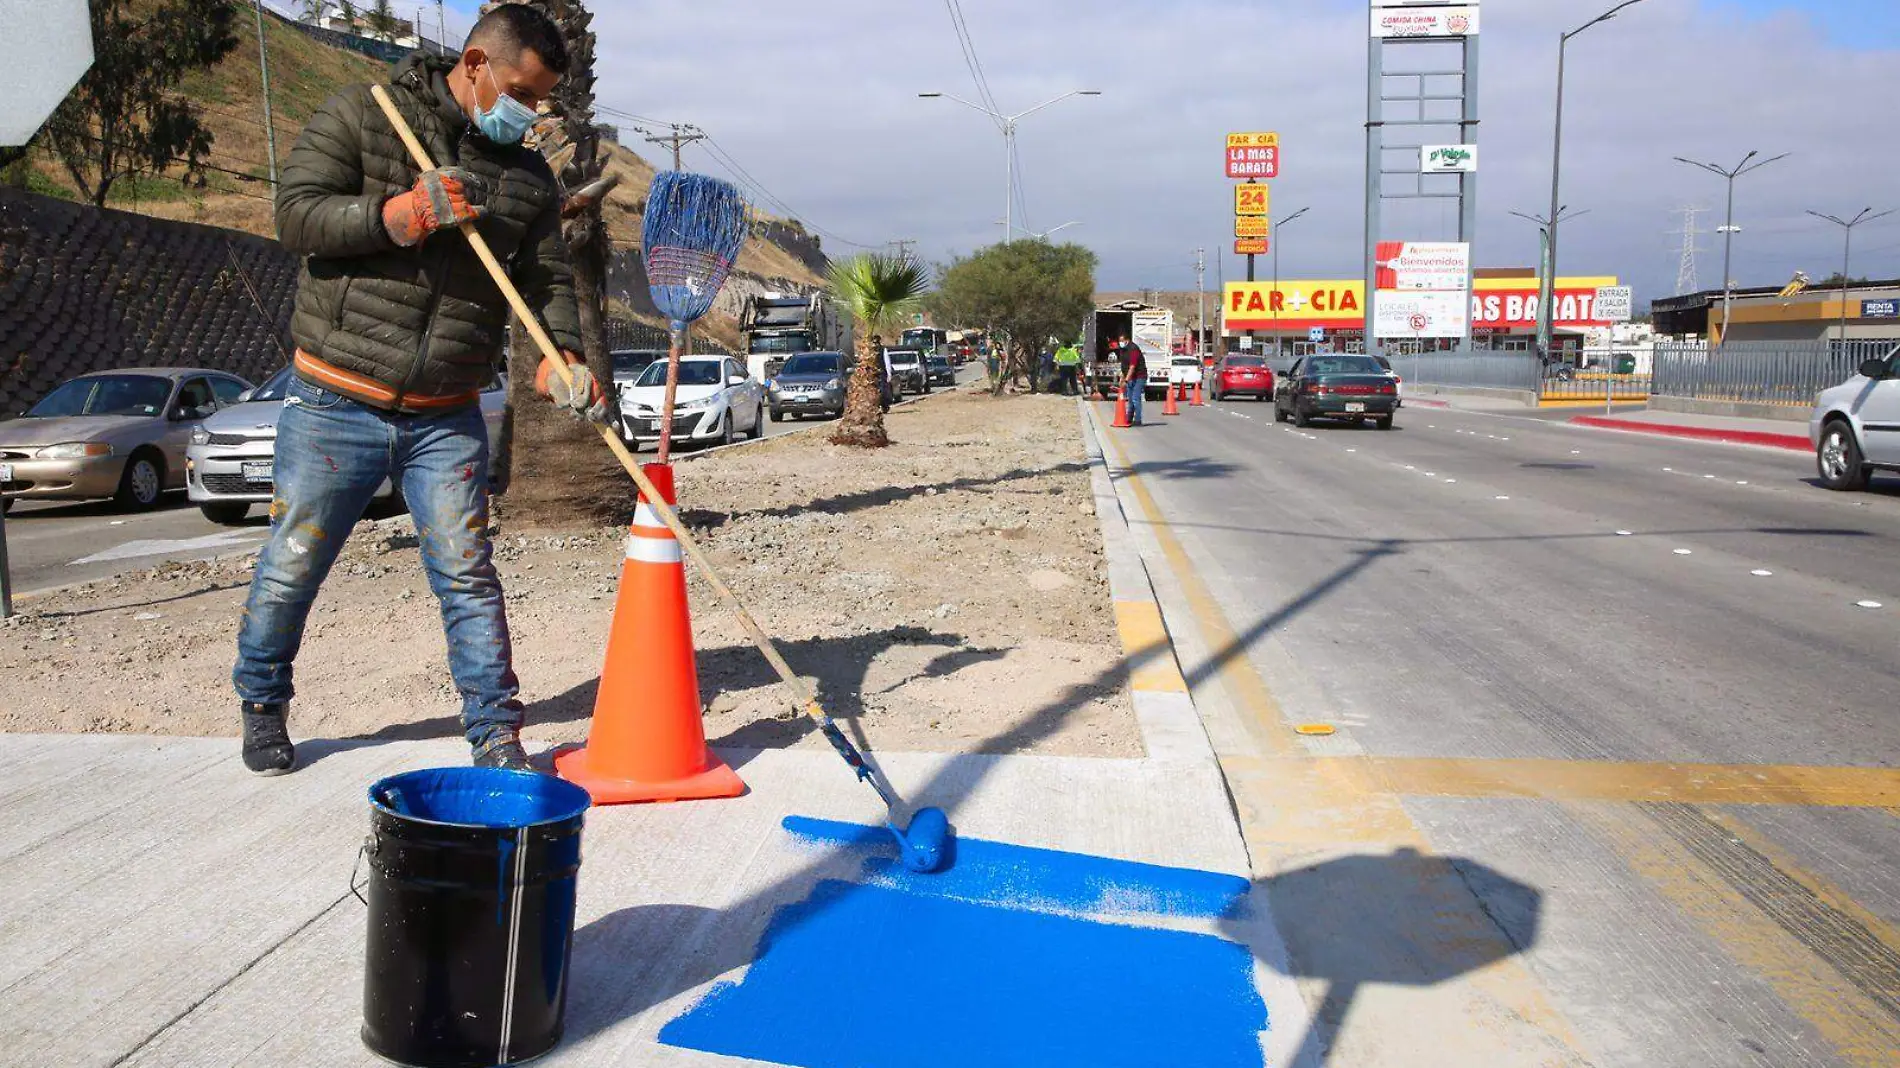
x=1145, y=641
x=1592, y=780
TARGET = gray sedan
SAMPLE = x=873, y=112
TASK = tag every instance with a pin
x=119, y=434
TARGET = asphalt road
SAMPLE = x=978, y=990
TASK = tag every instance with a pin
x=1629, y=688
x=59, y=543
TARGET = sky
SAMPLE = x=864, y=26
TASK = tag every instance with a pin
x=817, y=103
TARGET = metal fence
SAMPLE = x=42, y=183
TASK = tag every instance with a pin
x=1592, y=375
x=1760, y=372
x=1485, y=370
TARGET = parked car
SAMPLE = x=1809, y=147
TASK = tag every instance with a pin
x=715, y=401
x=1238, y=374
x=810, y=383
x=119, y=434
x=941, y=371
x=906, y=368
x=1184, y=370
x=230, y=463
x=628, y=364
x=1855, y=426
x=1336, y=386
x=1397, y=382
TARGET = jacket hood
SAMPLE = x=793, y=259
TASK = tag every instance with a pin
x=75, y=428
x=427, y=76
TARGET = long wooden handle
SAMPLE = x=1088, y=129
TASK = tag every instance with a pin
x=802, y=697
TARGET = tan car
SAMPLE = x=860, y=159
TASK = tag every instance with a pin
x=119, y=434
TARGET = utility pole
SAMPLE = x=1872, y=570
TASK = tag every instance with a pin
x=1729, y=229
x=441, y=28
x=1273, y=298
x=1847, y=254
x=903, y=245
x=1200, y=289
x=263, y=68
x=681, y=136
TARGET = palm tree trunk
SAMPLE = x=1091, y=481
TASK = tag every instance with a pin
x=863, y=422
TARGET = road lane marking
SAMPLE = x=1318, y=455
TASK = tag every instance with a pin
x=1150, y=655
x=1761, y=572
x=1539, y=779
x=228, y=539
x=1867, y=604
x=1683, y=552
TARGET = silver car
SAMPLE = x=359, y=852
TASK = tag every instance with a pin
x=230, y=460
x=1855, y=426
x=119, y=434
x=809, y=383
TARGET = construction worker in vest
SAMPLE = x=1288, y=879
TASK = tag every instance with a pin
x=1068, y=361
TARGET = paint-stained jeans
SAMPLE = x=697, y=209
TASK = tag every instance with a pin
x=332, y=454
x=1136, y=395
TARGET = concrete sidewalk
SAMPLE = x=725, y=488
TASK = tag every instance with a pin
x=1735, y=430
x=171, y=909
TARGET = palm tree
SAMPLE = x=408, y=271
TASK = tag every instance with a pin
x=349, y=14
x=383, y=21
x=311, y=11
x=879, y=291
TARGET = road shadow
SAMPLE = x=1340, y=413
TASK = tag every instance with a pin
x=152, y=602
x=27, y=508
x=1876, y=486
x=846, y=503
x=1403, y=918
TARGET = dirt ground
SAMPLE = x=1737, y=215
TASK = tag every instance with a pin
x=948, y=592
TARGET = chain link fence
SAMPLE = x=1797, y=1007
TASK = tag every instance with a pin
x=1786, y=373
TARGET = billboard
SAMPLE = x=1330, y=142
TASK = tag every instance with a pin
x=1447, y=159
x=1424, y=289
x=1495, y=304
x=1251, y=199
x=1251, y=226
x=1423, y=265
x=1251, y=246
x=1253, y=155
x=1418, y=22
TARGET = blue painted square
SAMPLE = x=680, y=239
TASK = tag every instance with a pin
x=897, y=975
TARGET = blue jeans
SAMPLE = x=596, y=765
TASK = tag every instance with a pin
x=1136, y=394
x=332, y=454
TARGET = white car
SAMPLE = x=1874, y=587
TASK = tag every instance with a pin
x=1855, y=427
x=1184, y=370
x=716, y=400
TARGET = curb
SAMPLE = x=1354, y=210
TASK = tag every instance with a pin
x=1763, y=438
x=1171, y=726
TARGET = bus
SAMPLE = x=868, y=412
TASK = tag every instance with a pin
x=924, y=338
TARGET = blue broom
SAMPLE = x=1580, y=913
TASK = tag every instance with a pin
x=692, y=232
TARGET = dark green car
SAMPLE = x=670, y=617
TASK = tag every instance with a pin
x=1336, y=386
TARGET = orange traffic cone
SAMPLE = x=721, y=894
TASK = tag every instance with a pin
x=647, y=742
x=1121, y=408
x=1196, y=402
x=1169, y=407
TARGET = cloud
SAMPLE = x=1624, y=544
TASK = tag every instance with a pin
x=818, y=102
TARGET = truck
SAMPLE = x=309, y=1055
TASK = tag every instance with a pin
x=776, y=325
x=1150, y=327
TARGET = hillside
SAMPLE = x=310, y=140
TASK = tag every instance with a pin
x=304, y=72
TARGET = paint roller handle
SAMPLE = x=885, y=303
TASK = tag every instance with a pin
x=802, y=697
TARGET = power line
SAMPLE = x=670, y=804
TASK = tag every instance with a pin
x=725, y=159
x=971, y=60
x=1685, y=268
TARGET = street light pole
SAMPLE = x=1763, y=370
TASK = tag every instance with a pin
x=1729, y=229
x=1847, y=253
x=1547, y=286
x=1007, y=123
x=1273, y=299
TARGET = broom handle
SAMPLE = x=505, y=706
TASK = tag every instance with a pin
x=801, y=695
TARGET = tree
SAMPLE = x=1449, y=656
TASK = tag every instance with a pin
x=1026, y=291
x=383, y=21
x=549, y=459
x=880, y=291
x=311, y=11
x=123, y=118
x=348, y=12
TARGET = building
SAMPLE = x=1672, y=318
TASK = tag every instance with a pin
x=1302, y=315
x=1794, y=312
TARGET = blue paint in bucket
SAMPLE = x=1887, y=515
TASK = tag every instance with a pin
x=479, y=797
x=1049, y=880
x=907, y=979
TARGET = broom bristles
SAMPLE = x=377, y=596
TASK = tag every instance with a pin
x=692, y=232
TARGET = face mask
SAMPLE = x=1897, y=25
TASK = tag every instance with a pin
x=508, y=121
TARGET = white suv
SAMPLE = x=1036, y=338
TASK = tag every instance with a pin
x=1855, y=427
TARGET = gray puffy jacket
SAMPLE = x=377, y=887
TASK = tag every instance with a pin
x=426, y=320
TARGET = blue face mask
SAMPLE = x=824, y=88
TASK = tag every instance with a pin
x=508, y=121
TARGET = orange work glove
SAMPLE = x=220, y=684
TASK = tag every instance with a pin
x=585, y=400
x=441, y=199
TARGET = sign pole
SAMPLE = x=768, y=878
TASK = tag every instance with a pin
x=6, y=577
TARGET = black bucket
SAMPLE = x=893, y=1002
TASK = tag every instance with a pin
x=471, y=915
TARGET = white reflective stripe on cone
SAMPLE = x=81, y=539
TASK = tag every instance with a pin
x=653, y=550
x=645, y=516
